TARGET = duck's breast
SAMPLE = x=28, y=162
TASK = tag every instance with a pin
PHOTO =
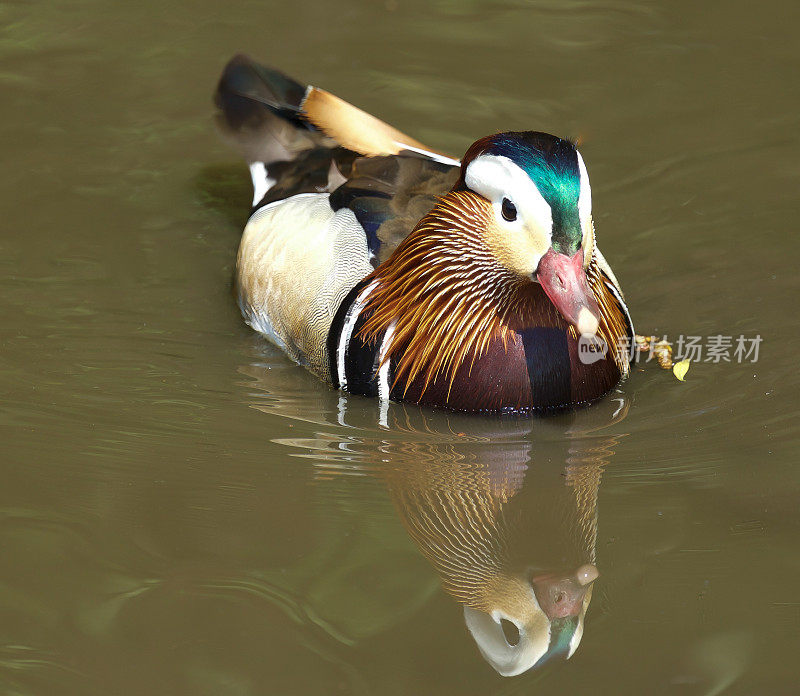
x=538, y=368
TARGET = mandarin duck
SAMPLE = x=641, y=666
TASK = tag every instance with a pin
x=390, y=269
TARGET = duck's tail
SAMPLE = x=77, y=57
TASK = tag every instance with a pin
x=272, y=118
x=260, y=113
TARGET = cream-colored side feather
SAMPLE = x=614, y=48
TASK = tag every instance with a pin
x=297, y=261
x=601, y=261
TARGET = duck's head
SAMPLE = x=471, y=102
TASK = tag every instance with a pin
x=525, y=621
x=540, y=223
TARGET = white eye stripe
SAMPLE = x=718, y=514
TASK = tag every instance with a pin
x=585, y=197
x=496, y=177
x=585, y=212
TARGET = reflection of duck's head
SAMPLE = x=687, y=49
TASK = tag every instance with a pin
x=524, y=622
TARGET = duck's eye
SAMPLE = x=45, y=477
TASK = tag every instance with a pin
x=509, y=210
x=510, y=632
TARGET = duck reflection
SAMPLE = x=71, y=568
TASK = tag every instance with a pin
x=511, y=531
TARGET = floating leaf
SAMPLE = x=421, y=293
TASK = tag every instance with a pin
x=679, y=369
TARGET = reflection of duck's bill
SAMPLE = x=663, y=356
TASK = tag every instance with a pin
x=560, y=596
x=550, y=627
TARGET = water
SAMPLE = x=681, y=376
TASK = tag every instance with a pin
x=183, y=511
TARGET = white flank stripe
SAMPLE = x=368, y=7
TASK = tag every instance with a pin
x=383, y=372
x=347, y=331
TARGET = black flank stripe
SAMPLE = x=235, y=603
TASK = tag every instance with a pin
x=361, y=362
x=547, y=357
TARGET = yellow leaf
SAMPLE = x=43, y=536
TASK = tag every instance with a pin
x=679, y=369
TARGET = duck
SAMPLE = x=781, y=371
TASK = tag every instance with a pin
x=393, y=270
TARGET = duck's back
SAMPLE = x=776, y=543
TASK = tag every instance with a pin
x=323, y=215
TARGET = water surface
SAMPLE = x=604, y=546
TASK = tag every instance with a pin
x=183, y=511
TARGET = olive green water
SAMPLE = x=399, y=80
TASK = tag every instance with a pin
x=183, y=511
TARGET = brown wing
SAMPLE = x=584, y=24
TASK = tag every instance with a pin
x=314, y=142
x=395, y=184
x=389, y=195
